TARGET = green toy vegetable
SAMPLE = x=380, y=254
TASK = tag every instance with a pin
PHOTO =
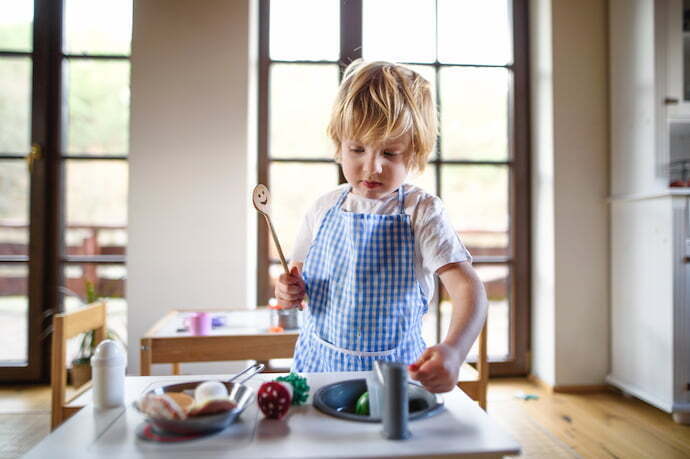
x=362, y=405
x=300, y=388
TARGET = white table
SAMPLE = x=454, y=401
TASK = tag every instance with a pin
x=461, y=430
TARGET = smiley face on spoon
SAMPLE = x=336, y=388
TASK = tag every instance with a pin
x=261, y=198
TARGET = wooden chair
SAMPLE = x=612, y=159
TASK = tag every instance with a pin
x=66, y=326
x=474, y=381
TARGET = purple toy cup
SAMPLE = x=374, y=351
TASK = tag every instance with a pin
x=199, y=323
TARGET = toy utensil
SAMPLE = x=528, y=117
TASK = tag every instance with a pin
x=261, y=198
x=248, y=372
x=395, y=407
x=238, y=393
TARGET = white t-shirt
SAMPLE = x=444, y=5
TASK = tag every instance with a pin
x=436, y=242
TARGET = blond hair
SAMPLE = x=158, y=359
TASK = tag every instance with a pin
x=383, y=100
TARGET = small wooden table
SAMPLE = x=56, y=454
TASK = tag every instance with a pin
x=462, y=429
x=244, y=336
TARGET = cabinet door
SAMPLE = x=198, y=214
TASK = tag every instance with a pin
x=673, y=23
x=681, y=300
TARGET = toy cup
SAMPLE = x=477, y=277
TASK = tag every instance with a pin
x=199, y=323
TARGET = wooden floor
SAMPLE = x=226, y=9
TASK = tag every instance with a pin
x=606, y=424
x=24, y=418
x=555, y=425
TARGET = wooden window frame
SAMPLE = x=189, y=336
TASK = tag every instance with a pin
x=518, y=262
x=47, y=258
x=44, y=203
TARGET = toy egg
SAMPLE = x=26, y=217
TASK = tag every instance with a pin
x=209, y=390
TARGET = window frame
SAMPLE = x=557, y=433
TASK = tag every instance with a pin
x=518, y=163
x=44, y=203
x=47, y=258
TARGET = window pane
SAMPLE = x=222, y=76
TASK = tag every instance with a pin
x=496, y=281
x=425, y=181
x=14, y=307
x=98, y=98
x=305, y=30
x=15, y=104
x=301, y=99
x=472, y=32
x=16, y=25
x=476, y=198
x=14, y=207
x=98, y=26
x=97, y=239
x=109, y=281
x=274, y=272
x=399, y=30
x=96, y=206
x=474, y=113
x=294, y=188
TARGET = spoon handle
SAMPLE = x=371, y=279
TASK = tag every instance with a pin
x=248, y=372
x=275, y=241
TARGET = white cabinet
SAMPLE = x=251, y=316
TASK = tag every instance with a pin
x=650, y=309
x=648, y=94
x=637, y=91
x=674, y=49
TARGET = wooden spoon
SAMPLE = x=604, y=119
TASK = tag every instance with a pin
x=261, y=198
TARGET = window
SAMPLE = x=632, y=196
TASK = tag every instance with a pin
x=16, y=67
x=474, y=54
x=95, y=97
x=64, y=97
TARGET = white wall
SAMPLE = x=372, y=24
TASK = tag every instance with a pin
x=570, y=312
x=543, y=257
x=189, y=210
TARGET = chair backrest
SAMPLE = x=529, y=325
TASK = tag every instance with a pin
x=483, y=364
x=474, y=380
x=66, y=326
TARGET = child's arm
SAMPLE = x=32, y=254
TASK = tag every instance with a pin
x=438, y=367
x=290, y=289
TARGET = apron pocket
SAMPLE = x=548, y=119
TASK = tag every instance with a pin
x=325, y=343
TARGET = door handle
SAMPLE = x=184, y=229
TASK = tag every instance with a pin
x=34, y=155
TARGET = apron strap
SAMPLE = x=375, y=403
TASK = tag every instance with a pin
x=342, y=198
x=401, y=199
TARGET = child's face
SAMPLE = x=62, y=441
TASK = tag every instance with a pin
x=374, y=170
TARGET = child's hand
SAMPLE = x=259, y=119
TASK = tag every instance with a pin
x=290, y=289
x=437, y=368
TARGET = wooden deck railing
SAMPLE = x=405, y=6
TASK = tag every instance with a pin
x=88, y=245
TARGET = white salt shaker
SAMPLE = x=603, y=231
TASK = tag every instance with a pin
x=108, y=373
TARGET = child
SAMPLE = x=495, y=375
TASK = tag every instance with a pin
x=367, y=252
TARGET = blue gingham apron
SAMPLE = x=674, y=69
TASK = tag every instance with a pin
x=365, y=303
